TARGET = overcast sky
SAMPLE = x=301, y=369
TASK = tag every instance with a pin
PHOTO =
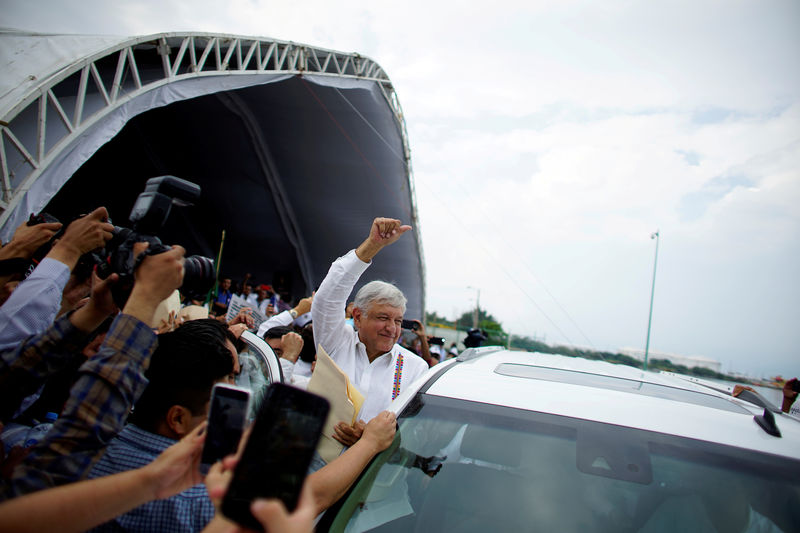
x=550, y=139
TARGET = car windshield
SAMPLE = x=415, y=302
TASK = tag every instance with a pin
x=462, y=466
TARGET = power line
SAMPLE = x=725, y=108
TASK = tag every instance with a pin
x=499, y=234
x=502, y=268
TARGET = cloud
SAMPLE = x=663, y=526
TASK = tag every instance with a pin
x=549, y=139
x=694, y=204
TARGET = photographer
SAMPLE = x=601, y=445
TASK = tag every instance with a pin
x=107, y=385
x=33, y=305
x=26, y=367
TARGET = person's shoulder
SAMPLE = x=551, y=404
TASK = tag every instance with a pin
x=125, y=451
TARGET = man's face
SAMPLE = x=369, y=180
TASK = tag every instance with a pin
x=226, y=284
x=231, y=379
x=262, y=294
x=380, y=328
x=246, y=290
x=196, y=420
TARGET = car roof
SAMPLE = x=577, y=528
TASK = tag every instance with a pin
x=607, y=393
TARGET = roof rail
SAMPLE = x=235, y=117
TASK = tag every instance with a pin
x=756, y=399
x=724, y=389
x=473, y=353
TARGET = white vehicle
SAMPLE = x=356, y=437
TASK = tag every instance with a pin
x=499, y=441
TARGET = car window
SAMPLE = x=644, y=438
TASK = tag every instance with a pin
x=631, y=386
x=259, y=368
x=462, y=466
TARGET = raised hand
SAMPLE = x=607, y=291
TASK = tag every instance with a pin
x=382, y=233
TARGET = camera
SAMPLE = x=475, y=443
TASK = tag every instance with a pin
x=409, y=324
x=149, y=213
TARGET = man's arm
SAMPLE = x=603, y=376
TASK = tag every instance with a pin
x=285, y=318
x=86, y=504
x=789, y=395
x=423, y=341
x=32, y=307
x=26, y=240
x=331, y=481
x=24, y=368
x=108, y=384
x=327, y=312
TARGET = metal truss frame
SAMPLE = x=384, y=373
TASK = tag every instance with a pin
x=183, y=56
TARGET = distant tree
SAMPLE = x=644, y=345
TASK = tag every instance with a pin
x=466, y=320
x=494, y=333
x=529, y=344
x=436, y=318
x=497, y=336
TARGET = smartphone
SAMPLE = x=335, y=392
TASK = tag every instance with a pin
x=226, y=420
x=796, y=385
x=278, y=452
x=409, y=324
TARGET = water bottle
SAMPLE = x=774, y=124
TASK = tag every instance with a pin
x=37, y=432
x=14, y=435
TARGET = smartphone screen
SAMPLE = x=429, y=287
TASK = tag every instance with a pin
x=278, y=452
x=226, y=418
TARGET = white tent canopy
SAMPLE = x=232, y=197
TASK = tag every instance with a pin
x=296, y=148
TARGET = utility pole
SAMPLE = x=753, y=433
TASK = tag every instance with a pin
x=477, y=307
x=652, y=293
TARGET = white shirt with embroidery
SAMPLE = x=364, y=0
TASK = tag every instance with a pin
x=374, y=380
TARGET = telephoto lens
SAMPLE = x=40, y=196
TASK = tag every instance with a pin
x=198, y=274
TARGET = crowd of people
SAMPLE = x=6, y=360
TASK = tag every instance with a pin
x=103, y=409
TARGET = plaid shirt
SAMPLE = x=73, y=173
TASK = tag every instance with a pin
x=108, y=385
x=191, y=510
x=24, y=368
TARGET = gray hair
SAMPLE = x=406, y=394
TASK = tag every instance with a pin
x=380, y=292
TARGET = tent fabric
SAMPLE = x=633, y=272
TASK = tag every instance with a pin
x=293, y=168
x=29, y=58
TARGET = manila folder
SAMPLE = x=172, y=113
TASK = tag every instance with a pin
x=330, y=382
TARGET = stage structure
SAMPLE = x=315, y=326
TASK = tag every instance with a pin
x=296, y=148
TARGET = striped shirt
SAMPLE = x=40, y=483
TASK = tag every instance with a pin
x=191, y=510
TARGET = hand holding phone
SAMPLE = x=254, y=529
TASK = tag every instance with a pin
x=226, y=420
x=278, y=452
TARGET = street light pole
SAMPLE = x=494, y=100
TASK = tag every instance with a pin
x=477, y=307
x=652, y=293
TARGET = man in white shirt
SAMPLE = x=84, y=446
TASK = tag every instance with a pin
x=285, y=318
x=370, y=356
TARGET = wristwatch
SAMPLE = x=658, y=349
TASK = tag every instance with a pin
x=293, y=313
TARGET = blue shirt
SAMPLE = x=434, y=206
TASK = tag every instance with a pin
x=224, y=297
x=33, y=305
x=191, y=510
